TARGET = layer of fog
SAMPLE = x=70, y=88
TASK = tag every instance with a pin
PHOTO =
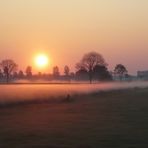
x=28, y=92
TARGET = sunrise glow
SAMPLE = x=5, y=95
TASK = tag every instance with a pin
x=67, y=29
x=41, y=60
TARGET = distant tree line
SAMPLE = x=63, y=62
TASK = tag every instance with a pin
x=92, y=67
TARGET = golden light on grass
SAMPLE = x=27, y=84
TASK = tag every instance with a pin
x=41, y=60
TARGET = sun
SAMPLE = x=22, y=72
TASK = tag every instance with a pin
x=41, y=60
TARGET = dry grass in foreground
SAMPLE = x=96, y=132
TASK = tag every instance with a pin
x=106, y=120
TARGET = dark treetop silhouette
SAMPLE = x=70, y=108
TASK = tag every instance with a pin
x=56, y=72
x=89, y=61
x=29, y=71
x=120, y=70
x=8, y=66
x=66, y=70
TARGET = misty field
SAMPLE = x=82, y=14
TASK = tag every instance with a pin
x=95, y=116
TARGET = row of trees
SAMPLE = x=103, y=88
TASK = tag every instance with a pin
x=91, y=67
x=95, y=65
x=9, y=68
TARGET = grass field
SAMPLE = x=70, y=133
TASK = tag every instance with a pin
x=110, y=119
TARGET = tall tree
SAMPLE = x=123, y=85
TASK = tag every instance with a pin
x=56, y=71
x=89, y=61
x=66, y=70
x=29, y=71
x=120, y=70
x=8, y=66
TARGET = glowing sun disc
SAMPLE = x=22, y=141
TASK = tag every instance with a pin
x=41, y=60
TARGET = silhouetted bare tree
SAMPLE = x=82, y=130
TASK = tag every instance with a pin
x=89, y=61
x=66, y=70
x=56, y=72
x=29, y=71
x=120, y=70
x=8, y=66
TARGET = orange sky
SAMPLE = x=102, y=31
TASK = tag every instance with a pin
x=66, y=29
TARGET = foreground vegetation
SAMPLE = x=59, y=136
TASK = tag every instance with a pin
x=106, y=120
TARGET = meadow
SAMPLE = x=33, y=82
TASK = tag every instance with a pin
x=100, y=115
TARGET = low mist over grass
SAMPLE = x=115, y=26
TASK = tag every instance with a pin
x=106, y=119
x=15, y=93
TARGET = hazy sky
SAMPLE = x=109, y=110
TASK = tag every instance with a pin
x=66, y=29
